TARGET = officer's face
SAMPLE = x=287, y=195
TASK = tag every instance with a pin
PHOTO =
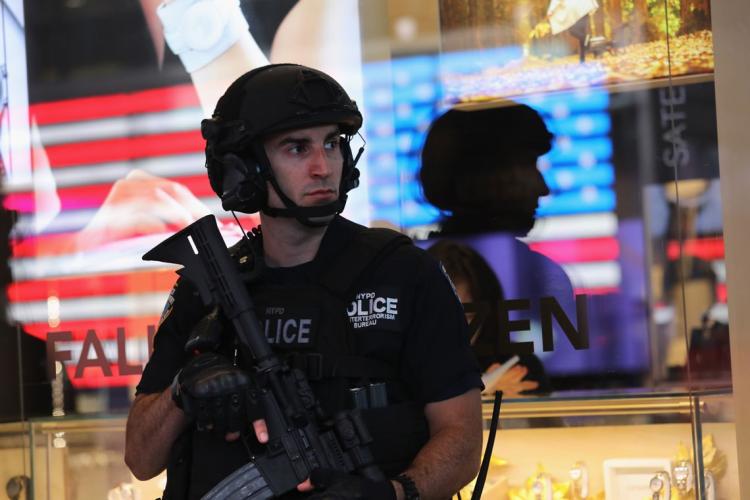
x=307, y=164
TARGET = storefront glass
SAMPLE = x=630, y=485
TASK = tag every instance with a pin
x=560, y=157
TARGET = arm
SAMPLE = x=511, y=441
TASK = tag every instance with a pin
x=304, y=37
x=154, y=423
x=212, y=79
x=441, y=369
x=450, y=459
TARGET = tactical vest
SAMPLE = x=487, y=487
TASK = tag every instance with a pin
x=311, y=326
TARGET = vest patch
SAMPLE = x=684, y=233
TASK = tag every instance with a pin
x=374, y=309
x=168, y=306
x=286, y=326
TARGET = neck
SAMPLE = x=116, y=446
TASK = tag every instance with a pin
x=287, y=242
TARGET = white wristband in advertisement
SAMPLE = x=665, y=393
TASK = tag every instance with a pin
x=199, y=31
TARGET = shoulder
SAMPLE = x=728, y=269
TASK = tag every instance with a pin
x=380, y=254
x=352, y=238
x=398, y=251
x=544, y=269
x=344, y=227
x=183, y=307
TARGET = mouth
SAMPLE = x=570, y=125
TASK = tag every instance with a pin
x=321, y=194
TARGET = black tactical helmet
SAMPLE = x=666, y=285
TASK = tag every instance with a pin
x=264, y=101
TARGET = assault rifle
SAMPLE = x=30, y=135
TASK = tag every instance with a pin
x=301, y=438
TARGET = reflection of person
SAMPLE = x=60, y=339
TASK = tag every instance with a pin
x=479, y=165
x=376, y=309
x=475, y=284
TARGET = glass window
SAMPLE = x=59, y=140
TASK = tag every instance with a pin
x=560, y=157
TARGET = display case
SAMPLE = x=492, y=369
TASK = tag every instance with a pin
x=560, y=447
x=614, y=446
x=15, y=463
x=71, y=458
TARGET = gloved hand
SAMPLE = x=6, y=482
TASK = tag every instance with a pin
x=335, y=485
x=216, y=394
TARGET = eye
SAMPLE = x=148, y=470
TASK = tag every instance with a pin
x=333, y=143
x=296, y=149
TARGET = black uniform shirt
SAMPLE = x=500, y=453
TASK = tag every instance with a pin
x=435, y=361
x=404, y=312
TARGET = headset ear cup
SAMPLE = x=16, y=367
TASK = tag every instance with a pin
x=213, y=166
x=353, y=180
x=257, y=196
x=243, y=188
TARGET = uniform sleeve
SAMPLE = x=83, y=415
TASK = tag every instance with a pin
x=182, y=311
x=438, y=362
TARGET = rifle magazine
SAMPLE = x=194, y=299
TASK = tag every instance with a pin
x=246, y=483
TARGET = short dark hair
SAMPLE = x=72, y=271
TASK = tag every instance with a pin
x=465, y=265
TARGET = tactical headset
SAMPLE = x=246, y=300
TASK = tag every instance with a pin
x=263, y=101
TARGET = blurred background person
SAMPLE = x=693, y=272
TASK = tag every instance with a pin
x=477, y=287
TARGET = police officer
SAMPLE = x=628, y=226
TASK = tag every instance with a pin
x=371, y=319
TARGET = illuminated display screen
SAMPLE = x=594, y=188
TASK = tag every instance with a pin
x=563, y=45
x=578, y=169
x=578, y=223
x=104, y=168
x=117, y=165
x=102, y=165
x=71, y=278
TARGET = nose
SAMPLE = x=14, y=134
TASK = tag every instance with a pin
x=542, y=186
x=319, y=165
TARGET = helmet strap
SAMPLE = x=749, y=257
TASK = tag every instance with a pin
x=305, y=214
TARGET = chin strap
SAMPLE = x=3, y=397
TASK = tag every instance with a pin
x=305, y=214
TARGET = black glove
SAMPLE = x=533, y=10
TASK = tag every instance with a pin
x=335, y=485
x=216, y=394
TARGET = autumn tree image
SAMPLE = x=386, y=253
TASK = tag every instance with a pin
x=572, y=43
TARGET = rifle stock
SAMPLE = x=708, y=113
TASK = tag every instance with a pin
x=300, y=439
